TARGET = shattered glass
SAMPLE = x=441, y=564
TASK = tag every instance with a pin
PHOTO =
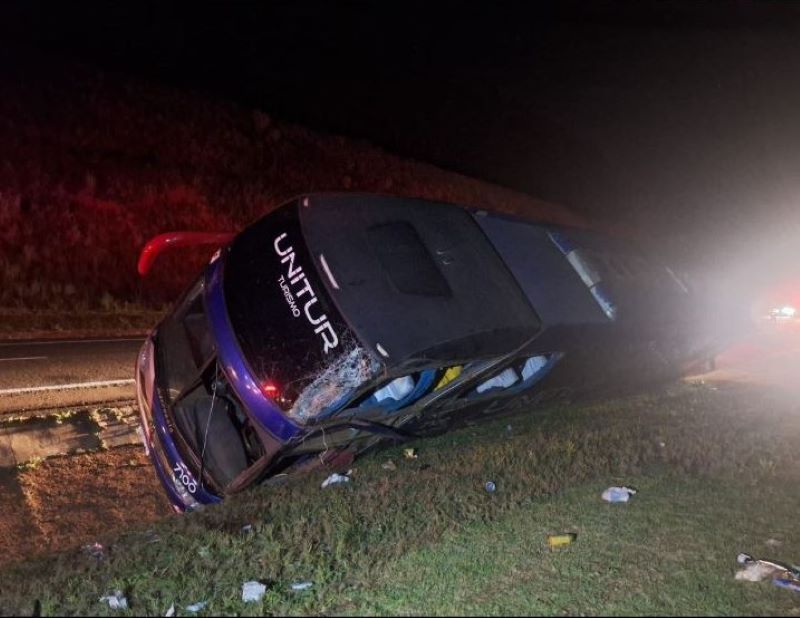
x=346, y=372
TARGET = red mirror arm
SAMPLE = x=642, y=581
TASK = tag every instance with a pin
x=158, y=244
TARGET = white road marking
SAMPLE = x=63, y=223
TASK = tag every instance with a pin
x=22, y=358
x=59, y=387
x=62, y=341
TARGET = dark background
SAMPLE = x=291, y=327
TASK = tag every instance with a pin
x=681, y=117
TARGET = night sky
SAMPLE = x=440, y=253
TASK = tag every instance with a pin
x=683, y=117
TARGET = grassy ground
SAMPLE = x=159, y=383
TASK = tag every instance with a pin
x=717, y=474
x=671, y=551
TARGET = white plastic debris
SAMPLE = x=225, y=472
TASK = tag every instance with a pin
x=389, y=465
x=618, y=494
x=335, y=479
x=756, y=570
x=116, y=600
x=302, y=585
x=196, y=607
x=247, y=528
x=170, y=612
x=253, y=591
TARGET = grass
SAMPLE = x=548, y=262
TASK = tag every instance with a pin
x=715, y=470
x=670, y=551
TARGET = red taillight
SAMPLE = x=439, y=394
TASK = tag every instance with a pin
x=270, y=389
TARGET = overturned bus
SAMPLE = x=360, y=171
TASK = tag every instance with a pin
x=337, y=323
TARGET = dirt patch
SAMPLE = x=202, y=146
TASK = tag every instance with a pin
x=66, y=502
x=18, y=534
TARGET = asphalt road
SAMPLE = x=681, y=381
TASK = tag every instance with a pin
x=769, y=357
x=48, y=374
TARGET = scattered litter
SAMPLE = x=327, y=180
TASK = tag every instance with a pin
x=758, y=570
x=410, y=453
x=95, y=550
x=247, y=528
x=253, y=591
x=490, y=487
x=389, y=465
x=618, y=494
x=302, y=585
x=335, y=479
x=559, y=540
x=791, y=584
x=662, y=444
x=196, y=607
x=116, y=600
x=170, y=612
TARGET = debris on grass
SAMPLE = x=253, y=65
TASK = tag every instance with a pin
x=170, y=611
x=560, y=540
x=618, y=494
x=410, y=453
x=773, y=542
x=94, y=550
x=389, y=465
x=490, y=487
x=247, y=528
x=116, y=600
x=196, y=607
x=756, y=570
x=297, y=586
x=335, y=479
x=253, y=591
